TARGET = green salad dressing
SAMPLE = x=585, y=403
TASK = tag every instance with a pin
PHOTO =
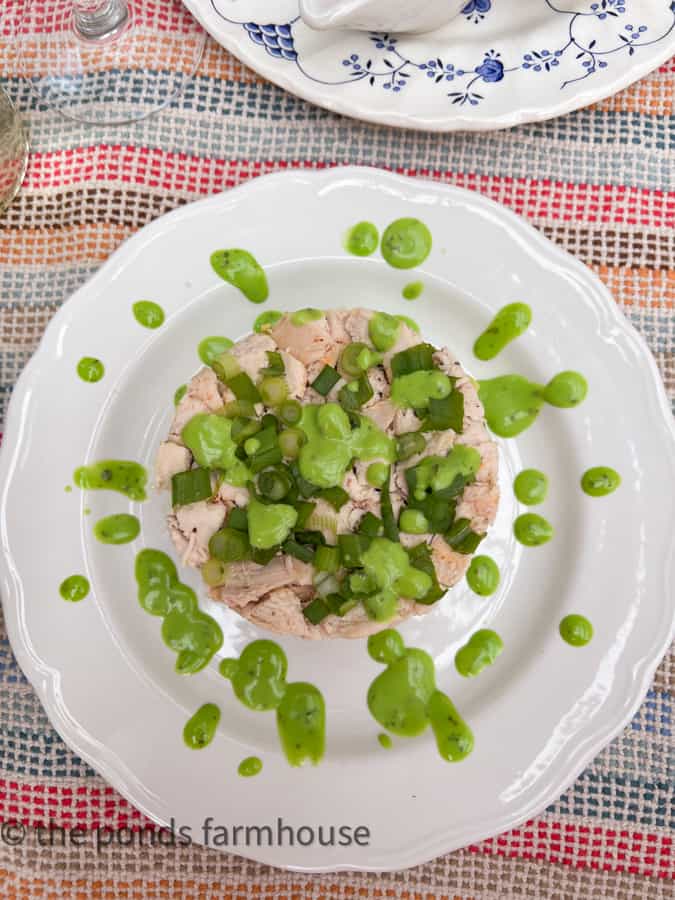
x=530, y=487
x=413, y=290
x=332, y=443
x=509, y=323
x=404, y=698
x=417, y=389
x=576, y=630
x=481, y=651
x=406, y=243
x=211, y=347
x=411, y=323
x=200, y=729
x=385, y=741
x=600, y=481
x=209, y=438
x=267, y=320
x=122, y=475
x=189, y=632
x=148, y=314
x=179, y=394
x=512, y=403
x=269, y=524
x=258, y=680
x=383, y=330
x=74, y=588
x=68, y=489
x=388, y=566
x=240, y=269
x=439, y=472
x=304, y=316
x=532, y=530
x=90, y=369
x=120, y=528
x=250, y=766
x=483, y=576
x=362, y=239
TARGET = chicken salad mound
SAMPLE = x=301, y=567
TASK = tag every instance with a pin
x=331, y=475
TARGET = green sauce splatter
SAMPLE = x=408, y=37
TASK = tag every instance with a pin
x=269, y=524
x=126, y=477
x=179, y=394
x=404, y=698
x=90, y=369
x=240, y=269
x=201, y=728
x=388, y=567
x=385, y=741
x=530, y=487
x=512, y=403
x=418, y=388
x=362, y=239
x=68, y=489
x=406, y=243
x=483, y=576
x=148, y=314
x=211, y=347
x=411, y=323
x=413, y=290
x=576, y=630
x=259, y=681
x=250, y=766
x=510, y=322
x=74, y=588
x=304, y=316
x=189, y=632
x=120, y=528
x=600, y=481
x=383, y=331
x=267, y=320
x=481, y=651
x=532, y=530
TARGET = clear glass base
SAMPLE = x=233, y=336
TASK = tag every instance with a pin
x=137, y=66
x=13, y=151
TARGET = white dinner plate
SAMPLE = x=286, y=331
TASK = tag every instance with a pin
x=539, y=714
x=500, y=63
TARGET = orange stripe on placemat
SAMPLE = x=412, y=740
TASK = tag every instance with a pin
x=650, y=96
x=640, y=287
x=80, y=243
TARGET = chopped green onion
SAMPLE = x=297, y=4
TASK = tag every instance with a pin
x=304, y=510
x=270, y=421
x=315, y=538
x=238, y=518
x=349, y=358
x=413, y=521
x=275, y=484
x=326, y=380
x=306, y=488
x=290, y=442
x=415, y=359
x=230, y=545
x=290, y=412
x=370, y=525
x=445, y=413
x=461, y=538
x=303, y=552
x=262, y=557
x=325, y=584
x=316, y=611
x=410, y=444
x=388, y=518
x=336, y=496
x=265, y=458
x=273, y=390
x=354, y=394
x=190, y=487
x=346, y=605
x=327, y=559
x=226, y=366
x=214, y=572
x=275, y=364
x=351, y=547
x=420, y=558
x=242, y=429
x=238, y=408
x=362, y=583
x=243, y=388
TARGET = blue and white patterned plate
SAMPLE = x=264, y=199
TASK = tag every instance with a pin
x=500, y=63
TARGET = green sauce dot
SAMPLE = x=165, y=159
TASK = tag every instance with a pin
x=90, y=369
x=267, y=320
x=362, y=239
x=532, y=530
x=509, y=323
x=240, y=269
x=120, y=528
x=411, y=323
x=413, y=290
x=483, y=576
x=566, y=389
x=530, y=487
x=406, y=243
x=211, y=347
x=600, y=481
x=385, y=741
x=201, y=728
x=180, y=393
x=303, y=316
x=576, y=630
x=148, y=314
x=74, y=588
x=68, y=489
x=250, y=766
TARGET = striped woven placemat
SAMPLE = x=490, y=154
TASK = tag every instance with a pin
x=600, y=183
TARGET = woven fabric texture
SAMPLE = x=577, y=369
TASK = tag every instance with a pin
x=600, y=183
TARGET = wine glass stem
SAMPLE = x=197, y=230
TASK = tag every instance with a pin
x=95, y=20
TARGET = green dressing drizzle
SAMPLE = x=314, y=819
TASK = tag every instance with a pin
x=209, y=438
x=509, y=323
x=240, y=269
x=532, y=530
x=269, y=524
x=189, y=632
x=304, y=316
x=258, y=680
x=406, y=243
x=530, y=487
x=439, y=472
x=417, y=389
x=250, y=766
x=411, y=323
x=385, y=741
x=481, y=651
x=600, y=481
x=74, y=588
x=383, y=331
x=388, y=567
x=126, y=477
x=413, y=290
x=576, y=630
x=179, y=394
x=404, y=698
x=483, y=576
x=362, y=239
x=68, y=489
x=148, y=314
x=120, y=528
x=567, y=389
x=267, y=320
x=200, y=729
x=211, y=347
x=512, y=403
x=90, y=369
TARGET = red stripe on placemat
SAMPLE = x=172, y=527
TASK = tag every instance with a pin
x=534, y=198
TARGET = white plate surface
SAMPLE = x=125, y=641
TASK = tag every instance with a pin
x=500, y=63
x=539, y=714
